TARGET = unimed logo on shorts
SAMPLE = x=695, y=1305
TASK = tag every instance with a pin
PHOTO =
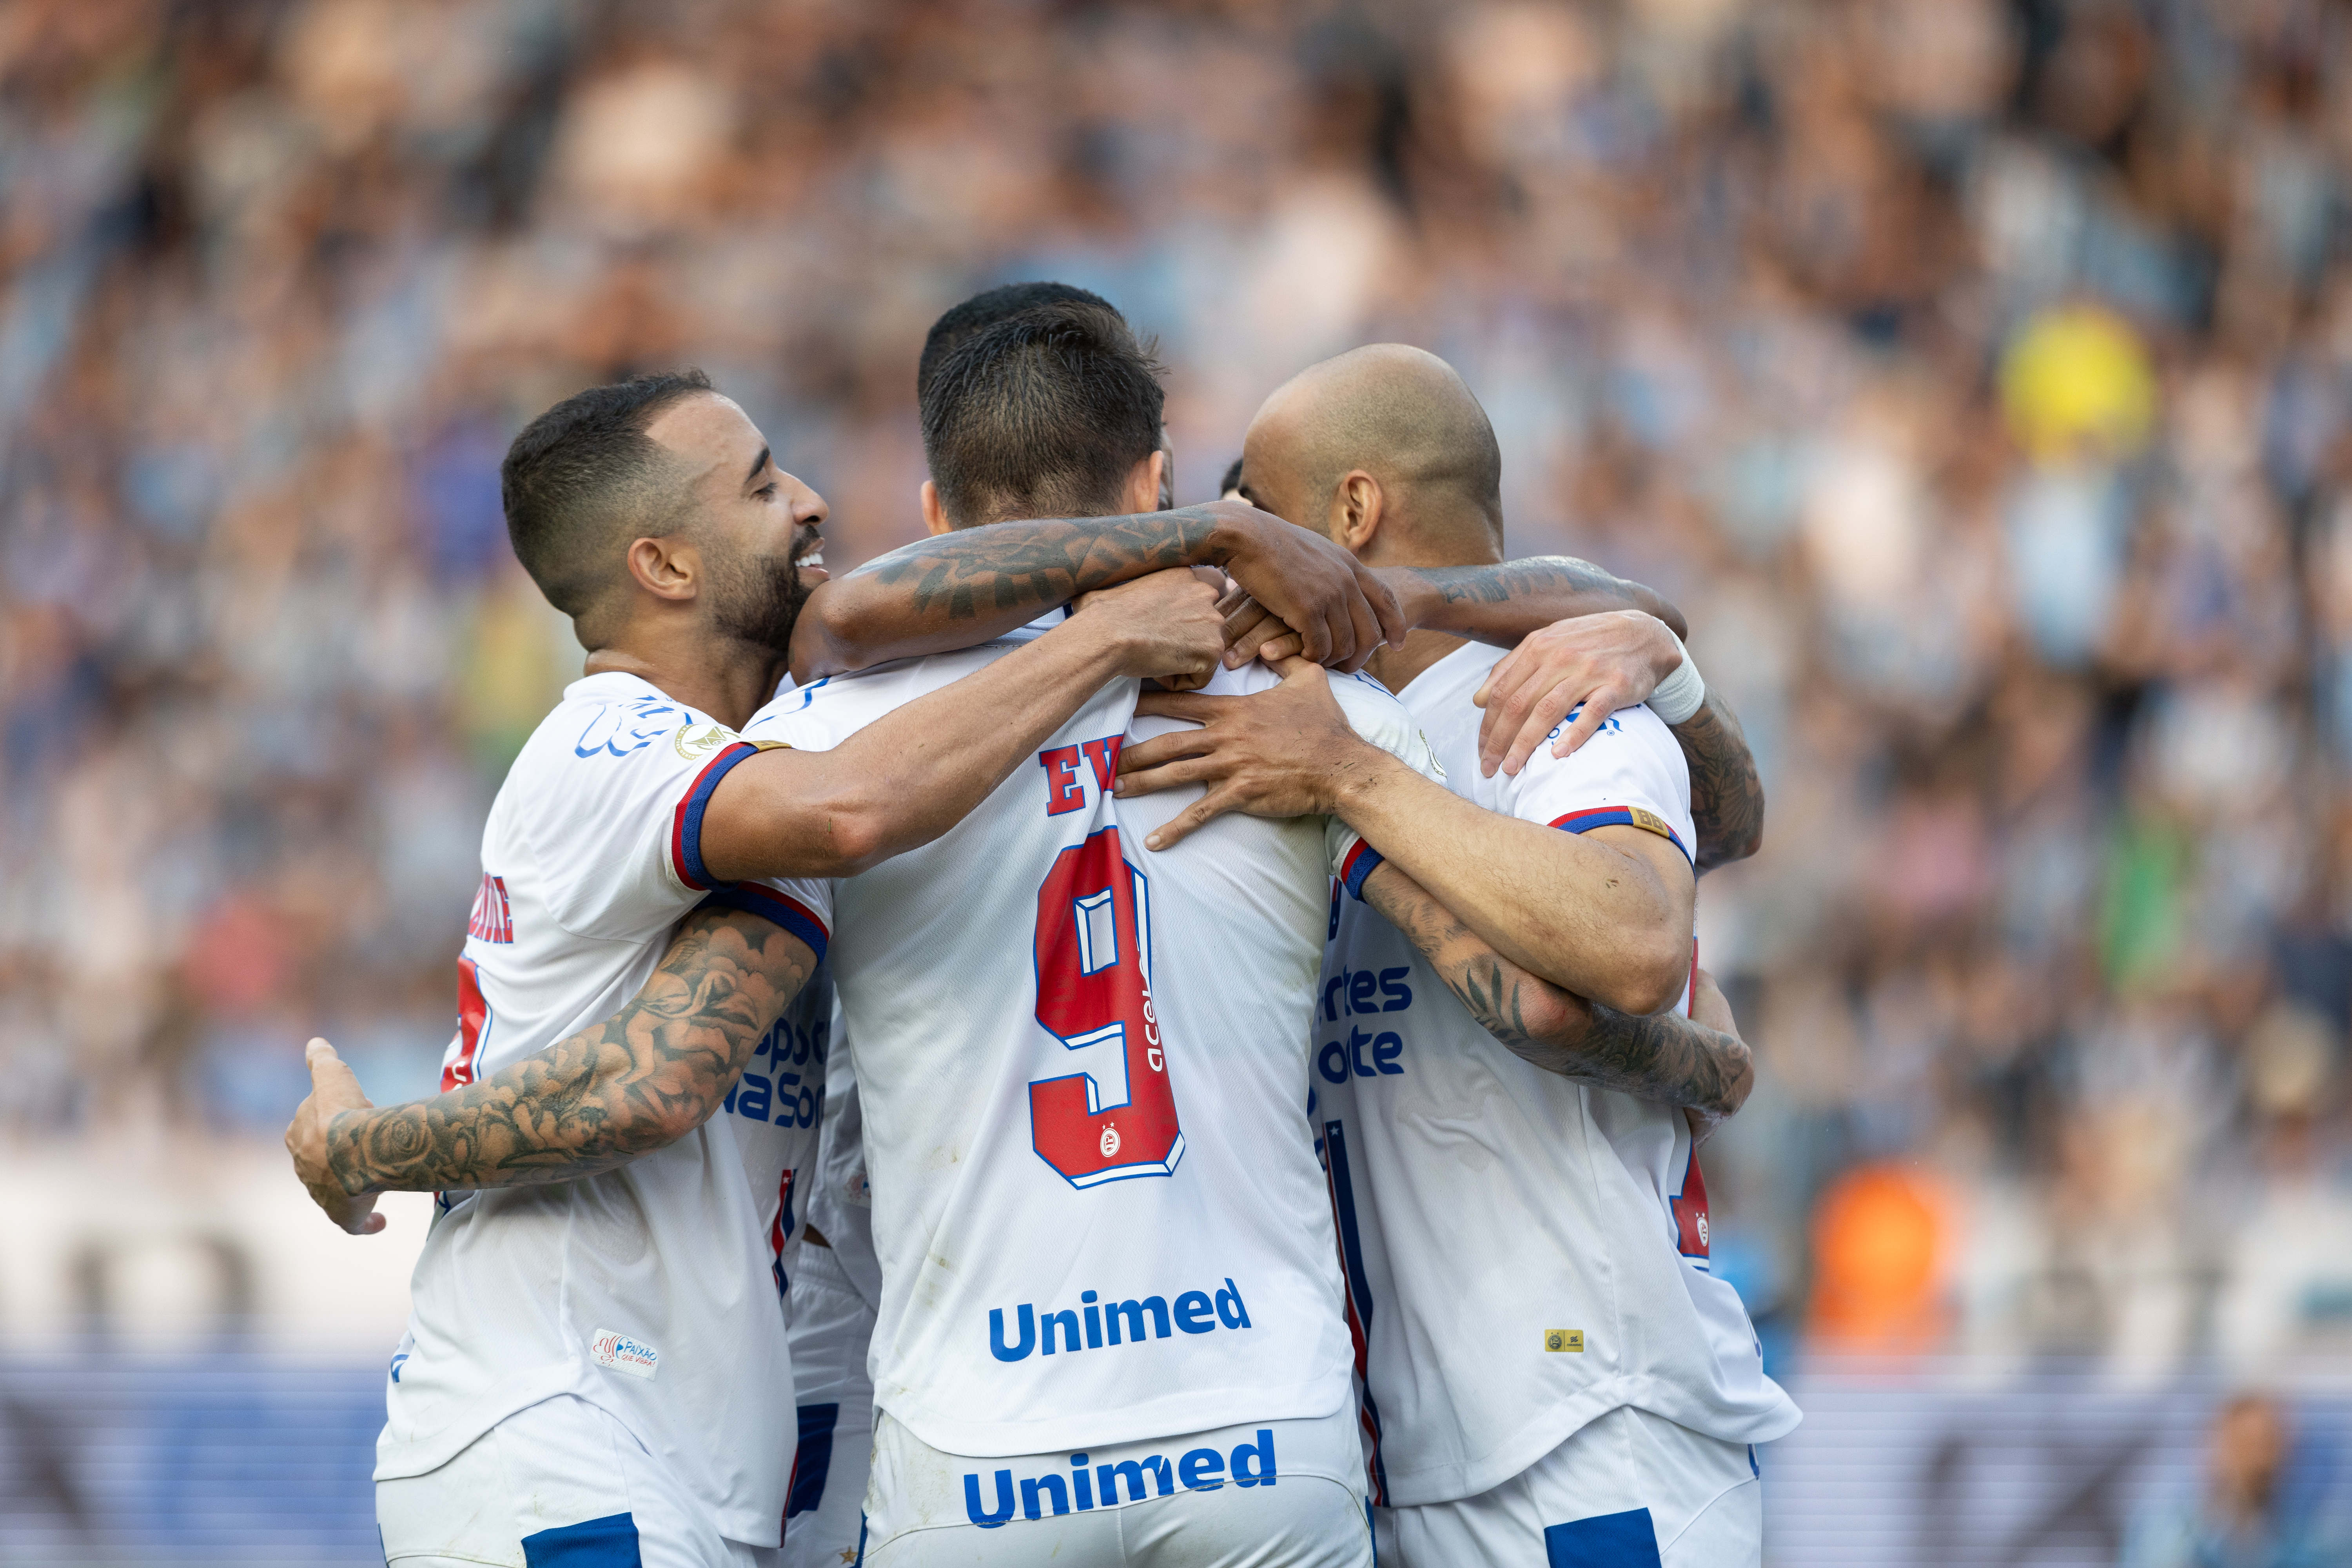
x=1097, y=1485
x=618, y=1352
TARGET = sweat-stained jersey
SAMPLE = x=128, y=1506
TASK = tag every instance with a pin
x=650, y=1291
x=1078, y=1064
x=1524, y=1254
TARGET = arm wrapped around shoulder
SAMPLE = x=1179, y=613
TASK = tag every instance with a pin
x=1378, y=717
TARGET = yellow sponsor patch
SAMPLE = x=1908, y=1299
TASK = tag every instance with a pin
x=1564, y=1339
x=1650, y=821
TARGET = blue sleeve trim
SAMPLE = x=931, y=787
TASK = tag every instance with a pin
x=686, y=832
x=1362, y=862
x=1622, y=817
x=756, y=898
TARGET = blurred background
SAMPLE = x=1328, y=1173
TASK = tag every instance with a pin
x=1977, y=375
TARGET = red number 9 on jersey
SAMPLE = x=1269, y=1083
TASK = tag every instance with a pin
x=1116, y=1116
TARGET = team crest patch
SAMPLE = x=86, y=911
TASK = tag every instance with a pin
x=619, y=1352
x=1564, y=1340
x=696, y=741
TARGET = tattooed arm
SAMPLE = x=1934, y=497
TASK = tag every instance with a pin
x=641, y=1079
x=965, y=586
x=1500, y=603
x=1663, y=1057
x=1727, y=795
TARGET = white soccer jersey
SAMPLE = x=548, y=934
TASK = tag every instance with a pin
x=777, y=1105
x=840, y=1202
x=1078, y=1064
x=646, y=1290
x=1524, y=1254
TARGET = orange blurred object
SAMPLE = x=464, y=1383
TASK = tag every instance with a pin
x=1881, y=1238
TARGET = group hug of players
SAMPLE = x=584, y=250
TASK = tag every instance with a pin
x=1030, y=1053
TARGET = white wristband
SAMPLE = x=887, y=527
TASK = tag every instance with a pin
x=1679, y=695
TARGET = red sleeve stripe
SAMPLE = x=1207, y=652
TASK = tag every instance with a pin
x=686, y=825
x=1620, y=816
x=781, y=909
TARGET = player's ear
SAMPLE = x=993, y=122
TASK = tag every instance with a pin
x=667, y=568
x=1356, y=506
x=1143, y=482
x=934, y=519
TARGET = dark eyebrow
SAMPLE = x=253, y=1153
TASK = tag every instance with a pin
x=757, y=464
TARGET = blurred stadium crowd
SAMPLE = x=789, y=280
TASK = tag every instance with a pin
x=1978, y=378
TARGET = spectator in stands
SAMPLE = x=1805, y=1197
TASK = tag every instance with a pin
x=2247, y=1518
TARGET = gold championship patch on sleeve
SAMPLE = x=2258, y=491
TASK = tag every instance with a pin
x=696, y=741
x=1564, y=1340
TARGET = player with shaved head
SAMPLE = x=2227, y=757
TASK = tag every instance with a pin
x=1549, y=1365
x=1395, y=417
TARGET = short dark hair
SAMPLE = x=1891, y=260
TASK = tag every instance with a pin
x=584, y=479
x=1043, y=415
x=983, y=311
x=1232, y=480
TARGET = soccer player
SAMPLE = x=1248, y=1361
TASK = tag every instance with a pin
x=837, y=1288
x=595, y=1355
x=1549, y=1366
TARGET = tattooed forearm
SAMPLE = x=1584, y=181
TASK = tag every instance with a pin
x=1727, y=795
x=642, y=1078
x=1041, y=564
x=1506, y=579
x=1663, y=1057
x=966, y=586
x=1511, y=599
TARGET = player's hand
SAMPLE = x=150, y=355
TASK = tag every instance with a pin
x=1253, y=631
x=1710, y=1010
x=1162, y=625
x=1284, y=752
x=334, y=1090
x=1340, y=609
x=1599, y=663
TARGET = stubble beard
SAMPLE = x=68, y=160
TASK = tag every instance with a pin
x=760, y=602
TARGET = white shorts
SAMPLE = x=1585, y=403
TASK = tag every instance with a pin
x=831, y=1328
x=557, y=1482
x=1278, y=1494
x=1629, y=1490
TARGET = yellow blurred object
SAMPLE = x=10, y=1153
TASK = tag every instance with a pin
x=2076, y=383
x=516, y=658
